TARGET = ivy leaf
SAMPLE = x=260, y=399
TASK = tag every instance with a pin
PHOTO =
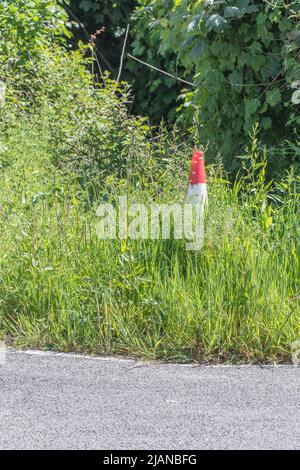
x=273, y=97
x=233, y=12
x=216, y=23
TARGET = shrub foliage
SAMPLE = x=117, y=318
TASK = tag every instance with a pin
x=245, y=59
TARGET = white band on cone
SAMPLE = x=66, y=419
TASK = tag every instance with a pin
x=197, y=194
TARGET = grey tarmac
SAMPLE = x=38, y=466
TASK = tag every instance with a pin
x=69, y=401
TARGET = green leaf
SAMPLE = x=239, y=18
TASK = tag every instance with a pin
x=199, y=49
x=252, y=8
x=272, y=68
x=242, y=4
x=251, y=106
x=266, y=123
x=236, y=78
x=86, y=5
x=193, y=25
x=273, y=97
x=255, y=48
x=216, y=23
x=233, y=12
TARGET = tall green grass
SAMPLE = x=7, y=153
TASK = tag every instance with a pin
x=61, y=288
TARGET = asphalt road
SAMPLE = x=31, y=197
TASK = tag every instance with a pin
x=50, y=401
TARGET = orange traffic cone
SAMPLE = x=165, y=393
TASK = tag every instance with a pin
x=197, y=191
x=196, y=198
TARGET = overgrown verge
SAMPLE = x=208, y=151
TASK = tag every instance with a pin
x=62, y=288
x=68, y=145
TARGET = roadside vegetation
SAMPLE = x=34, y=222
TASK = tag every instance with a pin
x=69, y=143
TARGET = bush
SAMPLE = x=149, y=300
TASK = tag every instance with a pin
x=245, y=58
x=26, y=26
x=87, y=124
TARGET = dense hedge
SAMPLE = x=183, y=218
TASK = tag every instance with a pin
x=242, y=55
x=245, y=59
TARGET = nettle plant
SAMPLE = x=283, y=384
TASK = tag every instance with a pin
x=244, y=56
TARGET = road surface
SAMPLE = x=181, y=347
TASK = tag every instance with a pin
x=62, y=401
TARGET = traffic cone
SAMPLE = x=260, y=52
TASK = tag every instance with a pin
x=197, y=190
x=196, y=199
